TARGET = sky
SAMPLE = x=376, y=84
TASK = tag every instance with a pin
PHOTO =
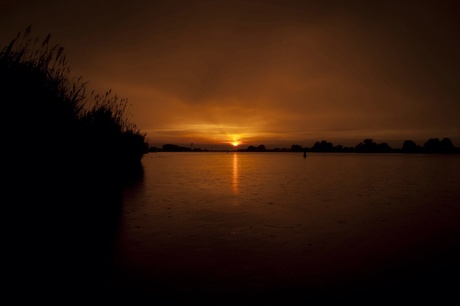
x=217, y=73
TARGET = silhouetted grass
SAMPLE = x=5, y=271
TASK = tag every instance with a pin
x=66, y=156
x=49, y=112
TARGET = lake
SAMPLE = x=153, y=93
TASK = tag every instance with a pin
x=281, y=227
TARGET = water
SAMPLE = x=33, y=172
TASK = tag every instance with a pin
x=278, y=224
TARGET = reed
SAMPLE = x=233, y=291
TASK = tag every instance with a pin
x=48, y=111
x=66, y=156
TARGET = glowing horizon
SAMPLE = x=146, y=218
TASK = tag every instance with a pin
x=214, y=136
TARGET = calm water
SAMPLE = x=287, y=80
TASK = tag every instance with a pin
x=266, y=223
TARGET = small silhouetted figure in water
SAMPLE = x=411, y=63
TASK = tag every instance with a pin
x=304, y=154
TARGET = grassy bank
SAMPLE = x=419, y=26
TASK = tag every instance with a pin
x=66, y=156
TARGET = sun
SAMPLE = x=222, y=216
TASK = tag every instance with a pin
x=234, y=140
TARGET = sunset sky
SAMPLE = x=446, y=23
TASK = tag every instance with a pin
x=263, y=72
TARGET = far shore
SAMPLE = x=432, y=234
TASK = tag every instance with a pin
x=431, y=146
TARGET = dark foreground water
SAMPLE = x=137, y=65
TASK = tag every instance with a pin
x=277, y=228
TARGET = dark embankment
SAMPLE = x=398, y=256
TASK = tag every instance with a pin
x=66, y=158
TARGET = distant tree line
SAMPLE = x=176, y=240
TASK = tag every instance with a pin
x=368, y=145
x=432, y=145
x=175, y=148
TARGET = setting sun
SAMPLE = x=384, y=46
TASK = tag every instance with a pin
x=234, y=139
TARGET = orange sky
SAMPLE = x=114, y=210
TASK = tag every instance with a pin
x=264, y=72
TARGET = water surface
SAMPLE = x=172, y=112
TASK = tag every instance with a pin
x=278, y=224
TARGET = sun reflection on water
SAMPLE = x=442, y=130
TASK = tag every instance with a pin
x=235, y=173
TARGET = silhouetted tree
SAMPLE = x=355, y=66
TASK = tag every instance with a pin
x=323, y=146
x=370, y=146
x=175, y=148
x=338, y=148
x=366, y=146
x=409, y=146
x=260, y=148
x=383, y=147
x=446, y=145
x=432, y=145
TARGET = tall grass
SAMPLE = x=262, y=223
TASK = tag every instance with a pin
x=51, y=114
x=65, y=157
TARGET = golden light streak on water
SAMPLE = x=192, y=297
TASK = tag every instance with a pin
x=235, y=173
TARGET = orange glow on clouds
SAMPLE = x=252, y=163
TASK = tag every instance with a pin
x=240, y=73
x=203, y=133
